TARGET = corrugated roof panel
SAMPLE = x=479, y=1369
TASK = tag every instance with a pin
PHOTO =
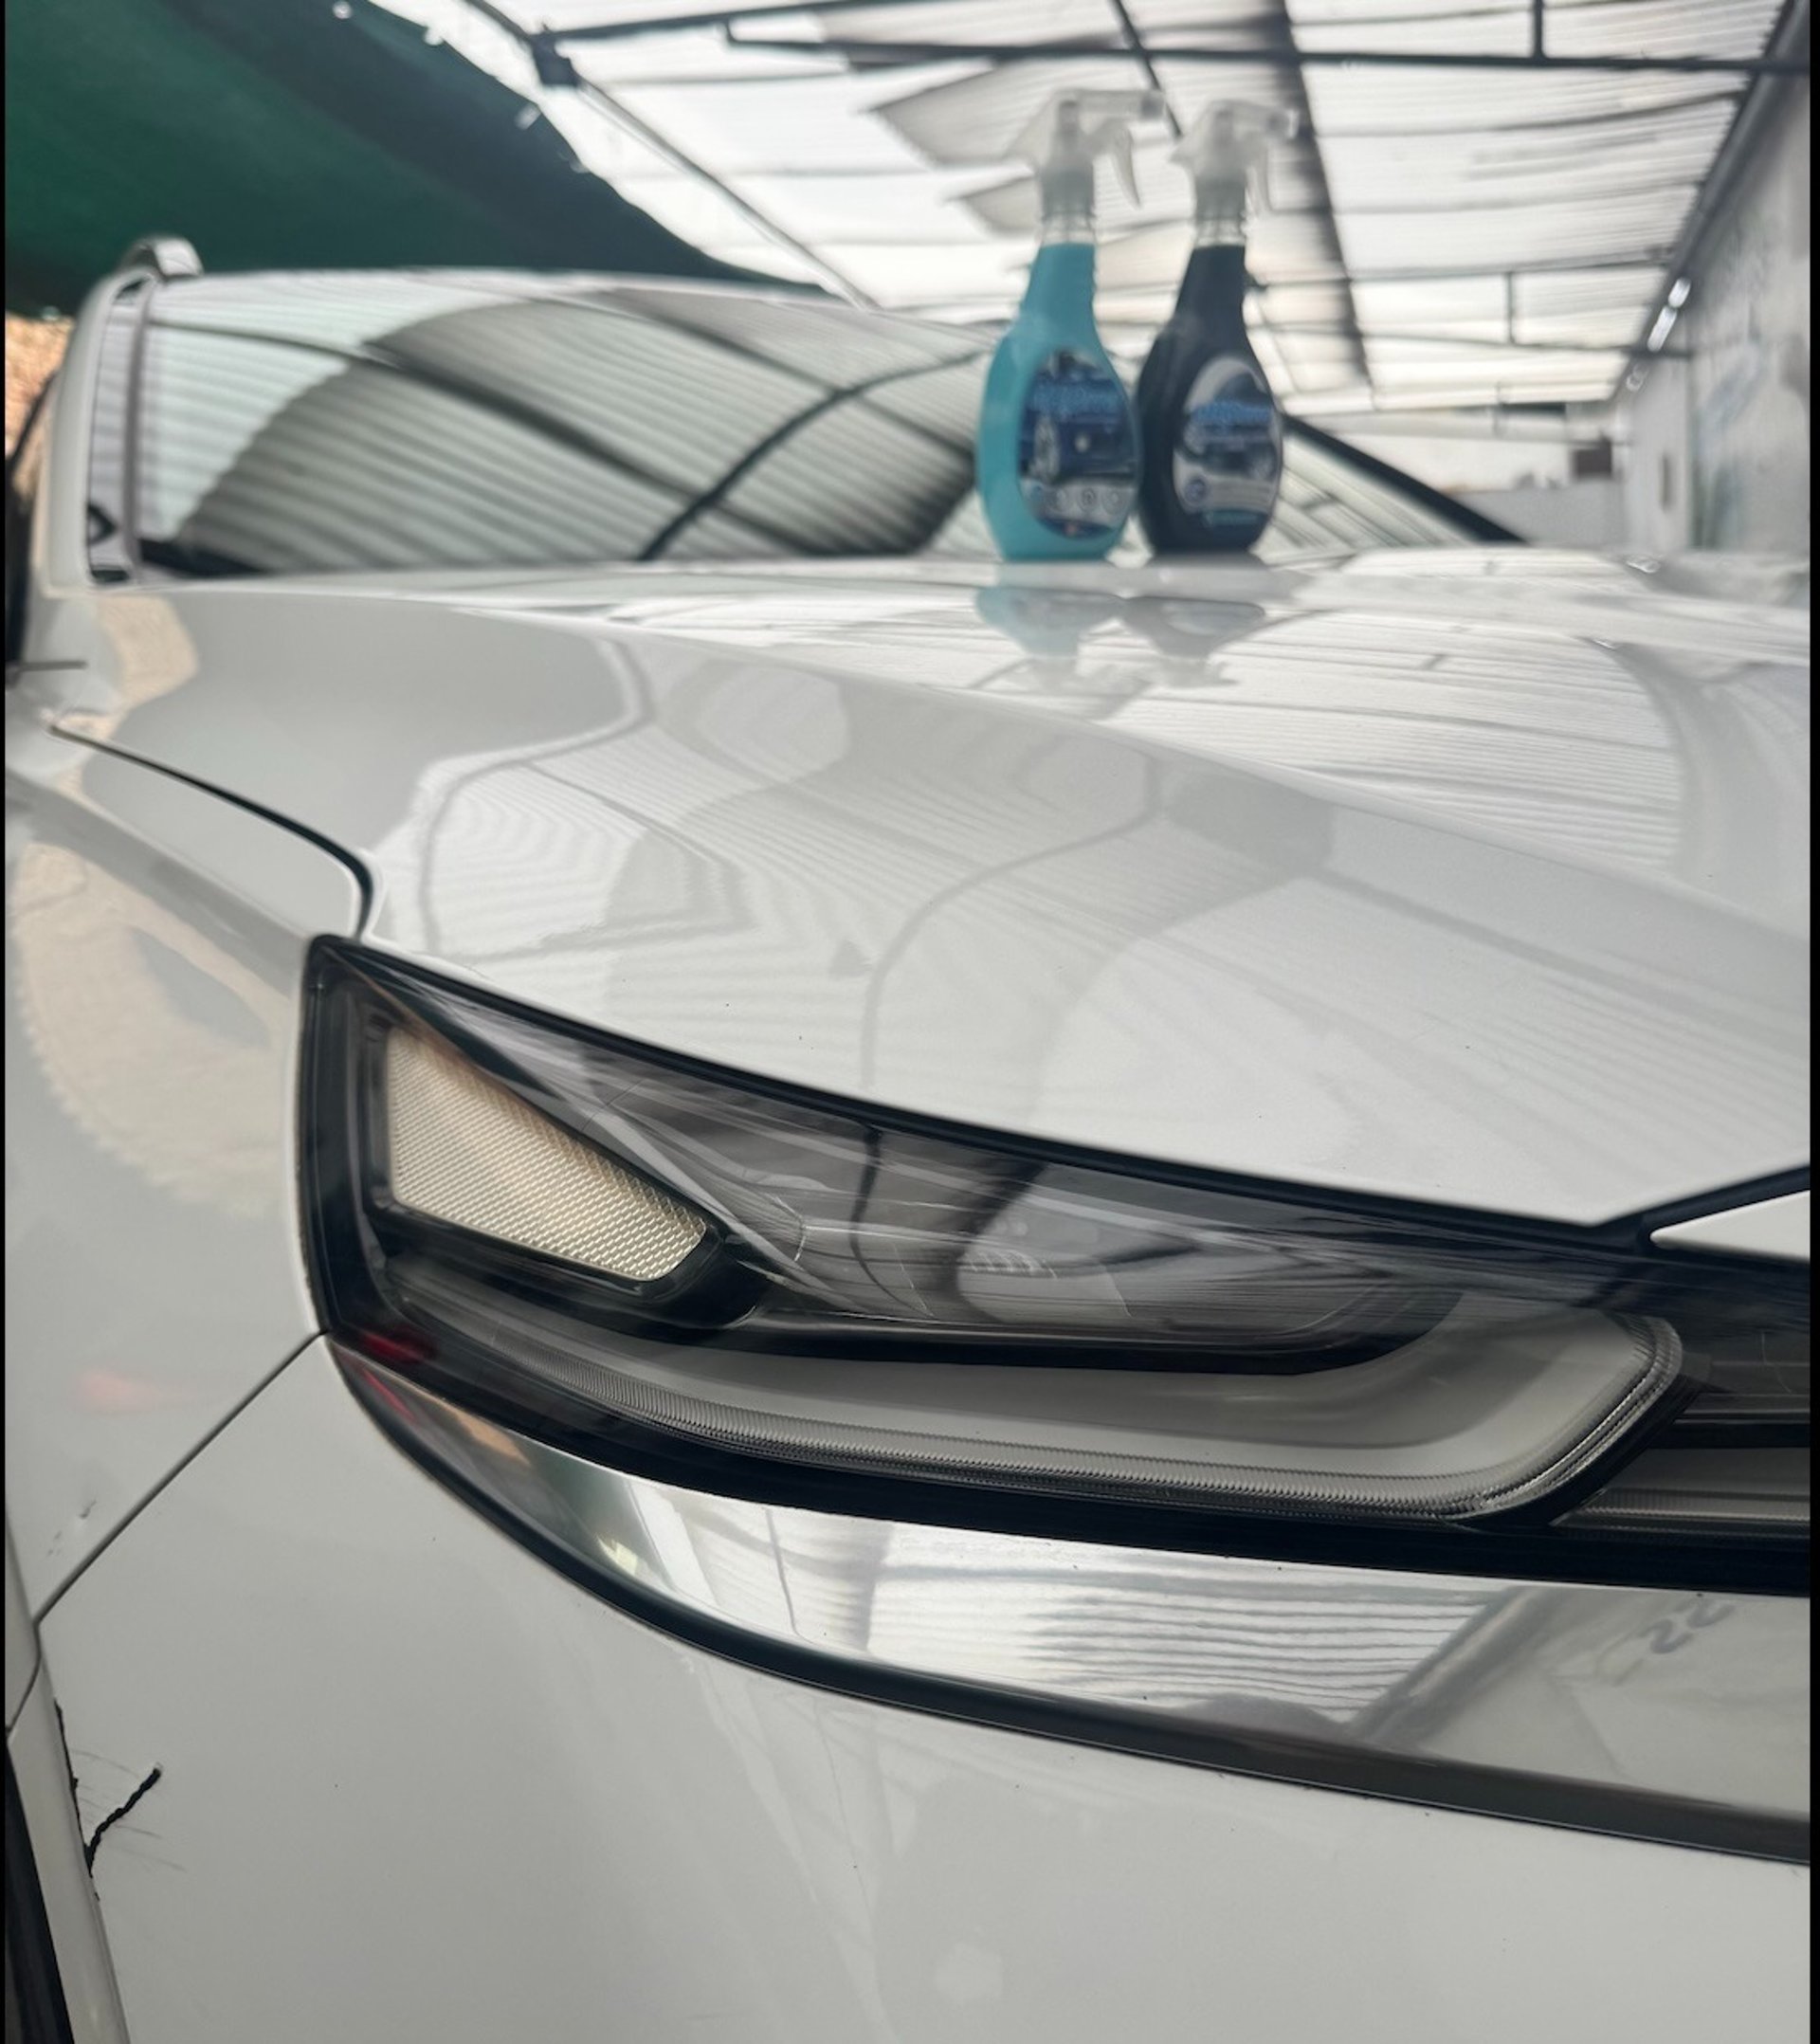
x=1211, y=21
x=1517, y=237
x=1301, y=303
x=779, y=125
x=1571, y=27
x=1286, y=248
x=1499, y=169
x=711, y=221
x=1489, y=307
x=1410, y=372
x=1489, y=31
x=1410, y=197
x=1392, y=102
x=1664, y=28
x=1432, y=15
x=975, y=21
x=690, y=204
x=892, y=207
x=1591, y=293
x=1473, y=307
x=891, y=275
x=976, y=119
x=1312, y=354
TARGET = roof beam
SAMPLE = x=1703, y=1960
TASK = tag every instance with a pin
x=1278, y=57
x=719, y=17
x=1147, y=64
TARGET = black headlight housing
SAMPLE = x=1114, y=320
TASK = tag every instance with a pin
x=747, y=1287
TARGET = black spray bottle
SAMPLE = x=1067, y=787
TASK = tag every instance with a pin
x=1211, y=432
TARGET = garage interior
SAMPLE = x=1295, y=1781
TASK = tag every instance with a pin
x=1551, y=256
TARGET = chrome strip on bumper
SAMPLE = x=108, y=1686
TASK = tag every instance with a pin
x=1679, y=1716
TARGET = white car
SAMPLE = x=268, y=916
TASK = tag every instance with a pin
x=765, y=1285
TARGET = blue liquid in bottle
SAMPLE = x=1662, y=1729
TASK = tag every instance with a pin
x=1057, y=452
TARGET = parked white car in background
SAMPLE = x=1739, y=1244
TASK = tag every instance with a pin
x=766, y=1284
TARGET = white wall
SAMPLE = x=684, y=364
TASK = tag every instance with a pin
x=1524, y=481
x=1461, y=464
x=1588, y=513
x=1658, y=461
x=1718, y=448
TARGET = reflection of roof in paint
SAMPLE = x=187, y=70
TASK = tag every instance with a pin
x=326, y=422
x=340, y=422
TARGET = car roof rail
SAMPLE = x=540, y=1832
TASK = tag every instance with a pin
x=164, y=255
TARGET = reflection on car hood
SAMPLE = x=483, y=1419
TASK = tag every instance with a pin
x=1476, y=877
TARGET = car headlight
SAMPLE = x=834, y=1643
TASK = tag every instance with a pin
x=623, y=1254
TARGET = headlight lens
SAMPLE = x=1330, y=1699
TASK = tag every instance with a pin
x=603, y=1245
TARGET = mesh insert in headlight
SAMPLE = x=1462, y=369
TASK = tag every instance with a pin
x=460, y=1147
x=595, y=1242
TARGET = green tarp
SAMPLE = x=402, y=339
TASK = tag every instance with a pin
x=280, y=133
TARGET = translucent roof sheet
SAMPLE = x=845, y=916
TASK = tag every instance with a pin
x=1437, y=236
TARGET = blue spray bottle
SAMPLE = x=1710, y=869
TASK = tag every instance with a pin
x=1058, y=437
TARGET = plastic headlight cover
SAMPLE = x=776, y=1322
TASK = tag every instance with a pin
x=585, y=1236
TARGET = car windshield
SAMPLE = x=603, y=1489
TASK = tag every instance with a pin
x=311, y=424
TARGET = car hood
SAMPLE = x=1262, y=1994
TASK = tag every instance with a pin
x=1474, y=876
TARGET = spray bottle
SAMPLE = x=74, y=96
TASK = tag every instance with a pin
x=1058, y=437
x=1210, y=423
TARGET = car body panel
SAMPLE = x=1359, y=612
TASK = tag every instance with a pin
x=22, y=1640
x=1660, y=1713
x=1779, y=1228
x=84, y=1972
x=482, y=1805
x=154, y=956
x=1430, y=877
x=1476, y=877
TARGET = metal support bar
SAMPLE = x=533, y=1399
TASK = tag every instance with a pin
x=1135, y=42
x=841, y=285
x=1545, y=424
x=858, y=51
x=1467, y=343
x=555, y=67
x=719, y=17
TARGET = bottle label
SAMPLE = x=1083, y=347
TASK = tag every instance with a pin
x=1077, y=447
x=1227, y=460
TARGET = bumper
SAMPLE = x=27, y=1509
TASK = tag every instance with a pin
x=415, y=1784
